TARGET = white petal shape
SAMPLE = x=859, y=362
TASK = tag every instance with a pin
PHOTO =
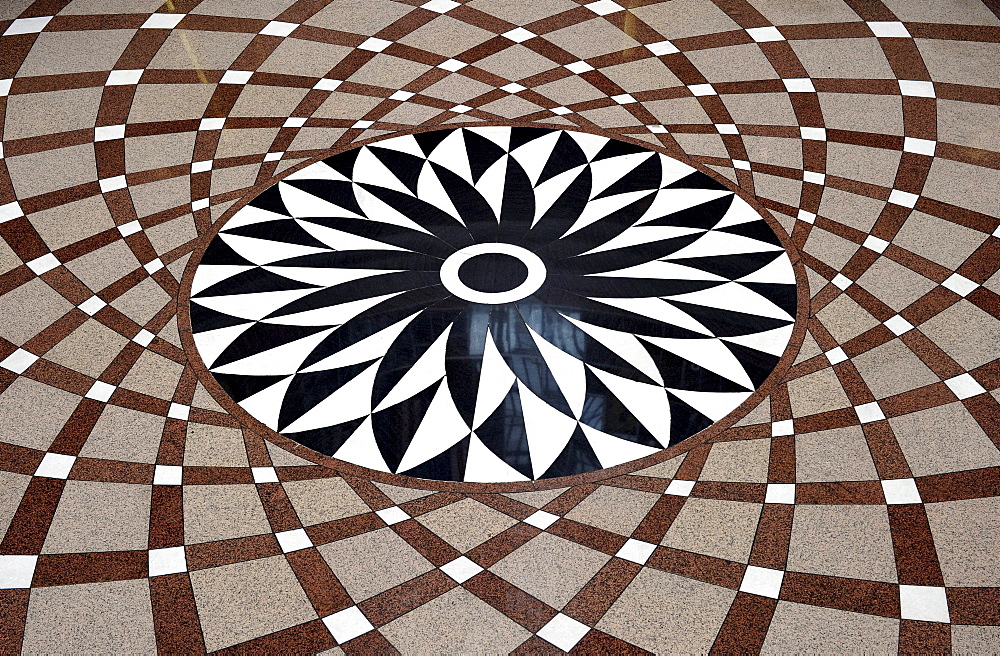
x=661, y=270
x=644, y=235
x=345, y=241
x=708, y=353
x=209, y=274
x=495, y=382
x=673, y=170
x=250, y=215
x=405, y=144
x=211, y=343
x=284, y=359
x=352, y=400
x=602, y=207
x=498, y=135
x=769, y=341
x=361, y=448
x=265, y=251
x=548, y=430
x=649, y=403
x=669, y=201
x=324, y=277
x=491, y=184
x=611, y=450
x=533, y=155
x=441, y=428
x=303, y=204
x=369, y=169
x=779, y=271
x=611, y=170
x=265, y=405
x=722, y=243
x=318, y=171
x=568, y=371
x=380, y=211
x=714, y=405
x=657, y=309
x=451, y=154
x=363, y=350
x=548, y=192
x=625, y=345
x=733, y=296
x=739, y=212
x=590, y=144
x=483, y=466
x=252, y=307
x=427, y=370
x=430, y=189
x=331, y=315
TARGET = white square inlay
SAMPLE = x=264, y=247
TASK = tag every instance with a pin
x=28, y=25
x=112, y=184
x=679, y=487
x=898, y=325
x=55, y=465
x=888, y=29
x=452, y=65
x=264, y=474
x=875, y=244
x=171, y=560
x=919, y=146
x=701, y=89
x=513, y=87
x=900, y=491
x=143, y=338
x=347, y=624
x=100, y=391
x=375, y=45
x=965, y=386
x=16, y=572
x=401, y=95
x=168, y=475
x=212, y=123
x=236, y=77
x=519, y=35
x=814, y=177
x=780, y=493
x=842, y=281
x=541, y=519
x=662, y=48
x=959, y=284
x=392, y=515
x=461, y=569
x=278, y=28
x=563, y=632
x=440, y=6
x=19, y=361
x=293, y=540
x=294, y=122
x=918, y=88
x=636, y=551
x=762, y=581
x=869, y=412
x=782, y=428
x=162, y=21
x=179, y=411
x=836, y=355
x=799, y=85
x=765, y=34
x=604, y=7
x=109, y=132
x=923, y=602
x=326, y=84
x=43, y=264
x=579, y=67
x=813, y=134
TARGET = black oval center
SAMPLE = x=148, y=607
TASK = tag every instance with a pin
x=492, y=272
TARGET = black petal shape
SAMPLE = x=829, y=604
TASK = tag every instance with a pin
x=262, y=337
x=758, y=230
x=411, y=240
x=364, y=259
x=241, y=387
x=696, y=180
x=599, y=232
x=483, y=153
x=727, y=323
x=329, y=439
x=343, y=163
x=703, y=216
x=518, y=208
x=679, y=373
x=685, y=421
x=644, y=177
x=464, y=357
x=449, y=465
x=757, y=364
x=251, y=282
x=404, y=166
x=221, y=253
x=521, y=136
x=576, y=458
x=731, y=267
x=563, y=213
x=395, y=426
x=337, y=192
x=270, y=200
x=437, y=222
x=605, y=412
x=307, y=390
x=428, y=141
x=505, y=435
x=205, y=319
x=615, y=148
x=609, y=287
x=613, y=318
x=567, y=154
x=477, y=215
x=783, y=295
x=623, y=258
x=356, y=290
x=286, y=231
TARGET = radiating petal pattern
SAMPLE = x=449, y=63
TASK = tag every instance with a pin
x=493, y=304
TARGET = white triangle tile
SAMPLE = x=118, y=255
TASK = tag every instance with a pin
x=265, y=405
x=303, y=204
x=483, y=466
x=770, y=341
x=362, y=449
x=265, y=251
x=495, y=382
x=333, y=315
x=548, y=430
x=318, y=171
x=427, y=370
x=345, y=241
x=611, y=450
x=733, y=296
x=369, y=348
x=284, y=359
x=568, y=371
x=533, y=155
x=252, y=307
x=708, y=353
x=722, y=243
x=649, y=403
x=208, y=274
x=779, y=271
x=211, y=343
x=441, y=428
x=669, y=201
x=590, y=144
x=625, y=345
x=714, y=405
x=369, y=169
x=349, y=402
x=657, y=309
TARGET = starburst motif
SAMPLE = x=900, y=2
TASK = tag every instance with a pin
x=493, y=304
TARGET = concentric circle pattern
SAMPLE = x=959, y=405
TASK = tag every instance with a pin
x=650, y=302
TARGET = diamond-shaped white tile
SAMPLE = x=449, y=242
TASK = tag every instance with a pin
x=211, y=123
x=27, y=25
x=513, y=87
x=19, y=361
x=168, y=475
x=807, y=217
x=100, y=391
x=965, y=386
x=623, y=99
x=657, y=129
x=780, y=493
x=129, y=228
x=701, y=89
x=900, y=491
x=10, y=211
x=162, y=21
x=836, y=355
x=662, y=48
x=325, y=84
x=814, y=177
x=919, y=146
x=917, y=88
x=680, y=488
x=16, y=572
x=875, y=244
x=762, y=581
x=765, y=34
x=55, y=465
x=362, y=124
x=519, y=34
x=869, y=412
x=579, y=67
x=440, y=6
x=153, y=265
x=273, y=157
x=179, y=411
x=278, y=28
x=293, y=540
x=727, y=128
x=202, y=166
x=923, y=602
x=604, y=7
x=799, y=85
x=452, y=65
x=236, y=77
x=347, y=624
x=903, y=198
x=959, y=284
x=461, y=109
x=401, y=95
x=461, y=569
x=898, y=325
x=563, y=631
x=92, y=305
x=171, y=560
x=842, y=281
x=375, y=45
x=143, y=337
x=264, y=474
x=561, y=111
x=392, y=515
x=541, y=519
x=783, y=428
x=813, y=133
x=43, y=264
x=636, y=551
x=294, y=122
x=741, y=164
x=200, y=204
x=109, y=132
x=888, y=29
x=112, y=184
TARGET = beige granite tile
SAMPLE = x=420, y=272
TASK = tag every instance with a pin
x=359, y=16
x=783, y=190
x=740, y=461
x=52, y=170
x=202, y=399
x=862, y=113
x=446, y=36
x=515, y=63
x=214, y=446
x=966, y=123
x=569, y=90
x=852, y=210
x=401, y=494
x=710, y=145
x=153, y=197
x=642, y=75
x=142, y=302
x=34, y=114
x=778, y=151
x=267, y=101
x=892, y=368
x=805, y=12
x=686, y=18
x=301, y=57
x=33, y=413
x=154, y=375
x=960, y=62
x=538, y=498
x=941, y=241
x=613, y=116
x=91, y=618
x=250, y=9
x=89, y=349
x=83, y=7
x=872, y=165
x=818, y=392
x=169, y=102
x=759, y=415
x=733, y=63
x=962, y=184
x=13, y=486
x=511, y=107
x=521, y=13
x=838, y=454
x=845, y=319
x=387, y=71
x=592, y=38
x=723, y=529
x=234, y=178
x=665, y=469
x=13, y=8
x=373, y=562
x=282, y=458
x=324, y=500
x=63, y=52
x=221, y=512
x=197, y=50
x=169, y=235
x=801, y=628
x=242, y=601
x=29, y=309
x=760, y=108
x=829, y=248
x=455, y=622
x=966, y=333
x=614, y=509
x=104, y=266
x=345, y=106
x=466, y=523
x=965, y=537
x=94, y=516
x=124, y=434
x=693, y=611
x=961, y=12
x=845, y=58
x=550, y=568
x=158, y=151
x=894, y=284
x=967, y=639
x=848, y=541
x=943, y=439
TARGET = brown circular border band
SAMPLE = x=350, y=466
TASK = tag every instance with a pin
x=346, y=468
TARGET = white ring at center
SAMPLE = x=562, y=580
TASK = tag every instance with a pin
x=451, y=281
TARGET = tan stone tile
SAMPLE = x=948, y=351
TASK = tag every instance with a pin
x=8, y=258
x=234, y=178
x=446, y=36
x=940, y=241
x=832, y=249
x=197, y=50
x=92, y=618
x=593, y=38
x=895, y=285
x=34, y=114
x=710, y=145
x=665, y=469
x=177, y=267
x=323, y=500
x=456, y=88
x=845, y=319
x=805, y=12
x=251, y=9
x=642, y=75
x=733, y=63
x=686, y=18
x=538, y=498
x=142, y=302
x=677, y=110
x=965, y=537
x=550, y=568
x=848, y=541
x=89, y=349
x=124, y=434
x=359, y=16
x=743, y=461
x=401, y=494
x=759, y=108
x=724, y=171
x=974, y=639
x=455, y=622
x=614, y=509
x=809, y=349
x=892, y=368
x=960, y=62
x=242, y=601
x=374, y=562
x=960, y=12
x=167, y=236
x=346, y=106
x=838, y=454
x=801, y=628
x=60, y=52
x=521, y=13
x=214, y=446
x=13, y=8
x=83, y=7
x=387, y=71
x=32, y=413
x=569, y=90
x=816, y=281
x=844, y=58
x=783, y=190
x=301, y=57
x=247, y=141
x=873, y=165
x=665, y=613
x=515, y=63
x=943, y=439
x=95, y=516
x=966, y=333
x=221, y=512
x=267, y=101
x=13, y=486
x=818, y=392
x=759, y=415
x=169, y=102
x=282, y=458
x=154, y=375
x=850, y=209
x=774, y=150
x=962, y=184
x=202, y=399
x=967, y=124
x=862, y=113
x=154, y=197
x=314, y=138
x=614, y=116
x=466, y=523
x=51, y=170
x=511, y=107
x=104, y=266
x=158, y=151
x=28, y=309
x=723, y=529
x=408, y=114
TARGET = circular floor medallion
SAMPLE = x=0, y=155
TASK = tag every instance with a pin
x=493, y=304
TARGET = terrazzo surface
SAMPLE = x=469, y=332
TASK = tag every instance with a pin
x=494, y=326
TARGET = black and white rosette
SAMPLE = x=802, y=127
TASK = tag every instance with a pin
x=493, y=304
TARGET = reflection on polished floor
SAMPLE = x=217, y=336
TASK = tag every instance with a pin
x=488, y=326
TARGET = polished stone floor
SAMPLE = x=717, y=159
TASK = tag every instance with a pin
x=815, y=471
